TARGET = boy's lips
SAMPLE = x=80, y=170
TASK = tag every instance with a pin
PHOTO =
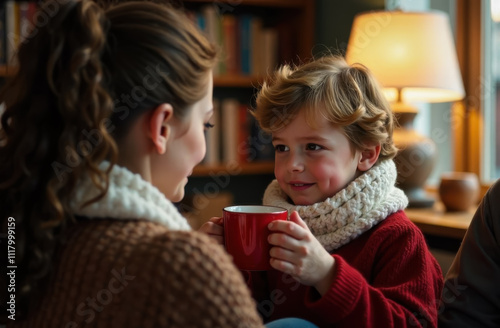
x=299, y=186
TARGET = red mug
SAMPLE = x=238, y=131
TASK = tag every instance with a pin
x=246, y=232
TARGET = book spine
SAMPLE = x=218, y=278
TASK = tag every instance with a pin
x=25, y=24
x=11, y=31
x=261, y=147
x=210, y=17
x=270, y=46
x=229, y=25
x=243, y=133
x=230, y=130
x=2, y=34
x=256, y=46
x=245, y=44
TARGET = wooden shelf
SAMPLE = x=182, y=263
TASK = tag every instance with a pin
x=237, y=81
x=438, y=222
x=7, y=71
x=235, y=168
x=260, y=3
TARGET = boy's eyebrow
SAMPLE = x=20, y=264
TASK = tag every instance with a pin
x=312, y=138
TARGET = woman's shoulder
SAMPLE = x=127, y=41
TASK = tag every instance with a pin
x=149, y=268
x=140, y=236
x=493, y=193
x=487, y=213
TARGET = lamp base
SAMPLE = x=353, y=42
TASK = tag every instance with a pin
x=414, y=161
x=419, y=199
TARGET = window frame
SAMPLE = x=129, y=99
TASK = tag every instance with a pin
x=467, y=118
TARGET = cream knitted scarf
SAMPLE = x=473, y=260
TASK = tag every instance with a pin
x=128, y=197
x=364, y=203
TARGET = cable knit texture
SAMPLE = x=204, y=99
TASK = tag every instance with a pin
x=135, y=271
x=128, y=196
x=354, y=210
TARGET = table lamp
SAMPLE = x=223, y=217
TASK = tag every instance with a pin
x=412, y=54
x=495, y=10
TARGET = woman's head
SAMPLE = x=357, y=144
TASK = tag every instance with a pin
x=85, y=78
x=329, y=89
x=160, y=58
x=157, y=57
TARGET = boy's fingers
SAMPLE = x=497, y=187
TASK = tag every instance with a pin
x=282, y=266
x=285, y=241
x=290, y=228
x=295, y=217
x=283, y=254
x=216, y=220
x=215, y=228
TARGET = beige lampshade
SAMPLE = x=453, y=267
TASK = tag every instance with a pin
x=495, y=10
x=409, y=51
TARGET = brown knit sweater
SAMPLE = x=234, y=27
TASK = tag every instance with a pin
x=137, y=273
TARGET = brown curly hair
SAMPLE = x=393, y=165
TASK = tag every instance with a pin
x=82, y=79
x=346, y=96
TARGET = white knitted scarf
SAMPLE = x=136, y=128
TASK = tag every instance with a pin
x=128, y=197
x=357, y=208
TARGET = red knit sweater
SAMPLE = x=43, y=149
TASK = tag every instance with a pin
x=384, y=278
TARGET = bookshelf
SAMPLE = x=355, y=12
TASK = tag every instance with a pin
x=215, y=185
x=292, y=22
x=7, y=71
x=238, y=81
x=252, y=168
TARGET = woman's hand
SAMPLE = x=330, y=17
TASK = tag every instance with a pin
x=297, y=252
x=214, y=229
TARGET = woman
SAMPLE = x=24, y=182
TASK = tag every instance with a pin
x=104, y=122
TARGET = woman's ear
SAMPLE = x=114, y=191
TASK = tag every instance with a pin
x=159, y=128
x=369, y=157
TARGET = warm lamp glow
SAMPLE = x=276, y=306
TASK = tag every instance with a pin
x=495, y=10
x=409, y=51
x=412, y=54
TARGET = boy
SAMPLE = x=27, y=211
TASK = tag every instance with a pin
x=348, y=256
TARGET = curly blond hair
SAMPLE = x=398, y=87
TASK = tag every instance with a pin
x=348, y=96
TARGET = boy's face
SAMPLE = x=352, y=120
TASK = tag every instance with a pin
x=313, y=164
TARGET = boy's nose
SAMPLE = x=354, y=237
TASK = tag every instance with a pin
x=295, y=163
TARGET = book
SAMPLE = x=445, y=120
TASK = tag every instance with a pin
x=270, y=47
x=256, y=46
x=230, y=44
x=210, y=19
x=25, y=21
x=11, y=31
x=229, y=119
x=261, y=147
x=243, y=134
x=245, y=41
x=2, y=34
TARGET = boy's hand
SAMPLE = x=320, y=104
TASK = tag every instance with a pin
x=297, y=252
x=214, y=229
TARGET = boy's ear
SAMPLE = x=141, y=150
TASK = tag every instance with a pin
x=159, y=128
x=369, y=157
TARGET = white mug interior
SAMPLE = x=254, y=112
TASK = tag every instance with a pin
x=254, y=209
